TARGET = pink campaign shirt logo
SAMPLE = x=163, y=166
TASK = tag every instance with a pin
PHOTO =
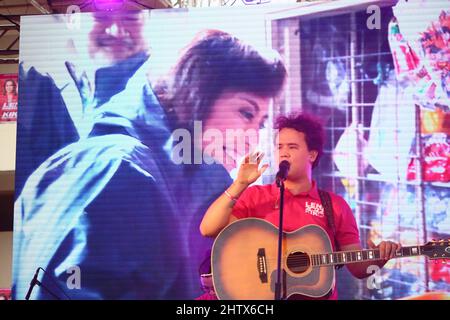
x=314, y=209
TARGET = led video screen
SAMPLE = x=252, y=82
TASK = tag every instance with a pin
x=131, y=124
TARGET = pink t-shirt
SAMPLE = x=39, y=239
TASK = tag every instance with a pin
x=299, y=210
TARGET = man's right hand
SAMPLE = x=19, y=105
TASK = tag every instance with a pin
x=249, y=170
x=219, y=213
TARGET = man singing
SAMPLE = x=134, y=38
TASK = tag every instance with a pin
x=299, y=142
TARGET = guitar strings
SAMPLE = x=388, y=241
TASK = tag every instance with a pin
x=306, y=260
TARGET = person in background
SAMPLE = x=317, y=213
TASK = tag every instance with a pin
x=117, y=48
x=99, y=215
x=111, y=226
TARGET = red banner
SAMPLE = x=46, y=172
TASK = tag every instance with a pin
x=5, y=294
x=8, y=98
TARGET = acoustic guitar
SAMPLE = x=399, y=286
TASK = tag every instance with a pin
x=244, y=260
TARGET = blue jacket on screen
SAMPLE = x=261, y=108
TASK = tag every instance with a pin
x=99, y=214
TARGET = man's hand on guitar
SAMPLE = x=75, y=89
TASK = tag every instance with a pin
x=387, y=248
x=249, y=170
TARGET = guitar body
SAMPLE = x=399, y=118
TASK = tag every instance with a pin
x=244, y=261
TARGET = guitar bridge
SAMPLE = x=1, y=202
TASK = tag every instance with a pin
x=262, y=265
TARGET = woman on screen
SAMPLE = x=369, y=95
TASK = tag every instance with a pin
x=218, y=93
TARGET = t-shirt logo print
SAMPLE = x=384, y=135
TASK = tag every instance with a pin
x=314, y=209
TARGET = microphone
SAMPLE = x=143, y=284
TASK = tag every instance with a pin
x=283, y=171
x=33, y=282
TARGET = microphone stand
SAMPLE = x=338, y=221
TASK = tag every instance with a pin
x=280, y=184
x=45, y=288
x=35, y=282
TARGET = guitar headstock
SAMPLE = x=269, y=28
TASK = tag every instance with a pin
x=437, y=249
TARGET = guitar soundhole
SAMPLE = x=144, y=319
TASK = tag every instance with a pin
x=298, y=262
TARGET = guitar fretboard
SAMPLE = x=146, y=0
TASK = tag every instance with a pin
x=345, y=257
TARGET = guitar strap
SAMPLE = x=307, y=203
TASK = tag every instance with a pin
x=325, y=198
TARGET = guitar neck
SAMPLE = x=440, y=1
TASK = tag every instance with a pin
x=346, y=257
